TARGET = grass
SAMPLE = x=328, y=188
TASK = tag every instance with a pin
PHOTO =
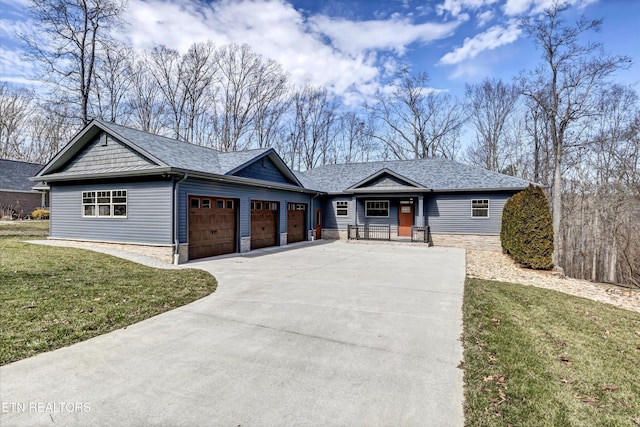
x=51, y=297
x=535, y=357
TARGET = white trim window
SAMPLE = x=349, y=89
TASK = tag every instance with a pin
x=342, y=208
x=104, y=204
x=480, y=208
x=377, y=208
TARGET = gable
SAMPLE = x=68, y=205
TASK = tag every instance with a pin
x=386, y=181
x=105, y=152
x=264, y=169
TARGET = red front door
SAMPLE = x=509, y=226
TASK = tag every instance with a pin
x=405, y=220
x=318, y=224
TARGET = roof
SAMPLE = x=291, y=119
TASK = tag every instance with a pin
x=170, y=155
x=14, y=174
x=166, y=154
x=435, y=174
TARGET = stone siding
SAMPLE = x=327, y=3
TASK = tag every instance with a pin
x=161, y=252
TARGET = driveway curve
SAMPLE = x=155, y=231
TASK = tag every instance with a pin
x=322, y=334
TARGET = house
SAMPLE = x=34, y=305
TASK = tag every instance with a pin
x=17, y=196
x=116, y=185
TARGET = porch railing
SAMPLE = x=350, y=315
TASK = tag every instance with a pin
x=369, y=232
x=421, y=234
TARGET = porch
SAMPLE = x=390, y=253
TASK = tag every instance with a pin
x=419, y=234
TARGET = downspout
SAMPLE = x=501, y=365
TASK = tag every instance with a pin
x=176, y=243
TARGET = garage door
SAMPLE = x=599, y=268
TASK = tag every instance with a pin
x=264, y=224
x=296, y=215
x=212, y=226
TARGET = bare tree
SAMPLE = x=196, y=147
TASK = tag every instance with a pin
x=68, y=43
x=418, y=121
x=16, y=108
x=145, y=97
x=490, y=104
x=112, y=81
x=571, y=72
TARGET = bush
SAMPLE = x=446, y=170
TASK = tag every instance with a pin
x=527, y=230
x=40, y=213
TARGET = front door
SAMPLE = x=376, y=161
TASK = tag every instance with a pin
x=405, y=219
x=318, y=224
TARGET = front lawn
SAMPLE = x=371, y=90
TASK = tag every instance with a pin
x=51, y=297
x=535, y=357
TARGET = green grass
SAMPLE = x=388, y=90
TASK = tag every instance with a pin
x=51, y=297
x=535, y=357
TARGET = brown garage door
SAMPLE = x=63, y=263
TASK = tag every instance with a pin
x=212, y=226
x=264, y=224
x=296, y=214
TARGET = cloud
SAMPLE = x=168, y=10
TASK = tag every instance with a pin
x=494, y=37
x=455, y=7
x=521, y=7
x=355, y=37
x=484, y=17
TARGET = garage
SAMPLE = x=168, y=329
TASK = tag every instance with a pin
x=212, y=226
x=296, y=215
x=264, y=224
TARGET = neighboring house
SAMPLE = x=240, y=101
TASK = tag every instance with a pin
x=179, y=201
x=16, y=190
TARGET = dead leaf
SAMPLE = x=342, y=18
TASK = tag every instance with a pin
x=493, y=358
x=565, y=381
x=609, y=388
x=565, y=360
x=488, y=379
x=592, y=401
x=502, y=395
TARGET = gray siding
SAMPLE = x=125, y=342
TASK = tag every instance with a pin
x=243, y=193
x=333, y=222
x=148, y=214
x=392, y=220
x=265, y=170
x=105, y=152
x=451, y=213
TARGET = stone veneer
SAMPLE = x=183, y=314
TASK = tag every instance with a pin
x=161, y=252
x=468, y=241
x=284, y=237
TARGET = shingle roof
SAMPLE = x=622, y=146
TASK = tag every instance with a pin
x=432, y=173
x=170, y=151
x=14, y=175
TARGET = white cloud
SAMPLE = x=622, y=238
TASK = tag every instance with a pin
x=494, y=37
x=455, y=7
x=484, y=17
x=520, y=7
x=395, y=35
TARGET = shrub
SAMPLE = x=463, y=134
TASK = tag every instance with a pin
x=527, y=230
x=40, y=213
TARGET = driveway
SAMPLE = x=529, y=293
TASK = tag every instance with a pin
x=325, y=334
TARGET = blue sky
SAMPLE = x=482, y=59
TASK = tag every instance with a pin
x=352, y=47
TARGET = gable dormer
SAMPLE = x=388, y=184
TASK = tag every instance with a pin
x=267, y=167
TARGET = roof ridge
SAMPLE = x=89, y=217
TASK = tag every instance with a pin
x=21, y=161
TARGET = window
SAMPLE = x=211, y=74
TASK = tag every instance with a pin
x=206, y=203
x=342, y=208
x=195, y=203
x=220, y=204
x=377, y=208
x=106, y=203
x=229, y=204
x=480, y=208
x=296, y=207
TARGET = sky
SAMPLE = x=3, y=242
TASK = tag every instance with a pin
x=352, y=47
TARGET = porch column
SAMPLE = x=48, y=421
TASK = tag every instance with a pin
x=420, y=220
x=354, y=220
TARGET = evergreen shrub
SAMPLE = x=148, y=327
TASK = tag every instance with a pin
x=527, y=230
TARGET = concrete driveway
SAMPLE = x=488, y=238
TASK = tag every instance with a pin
x=326, y=334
